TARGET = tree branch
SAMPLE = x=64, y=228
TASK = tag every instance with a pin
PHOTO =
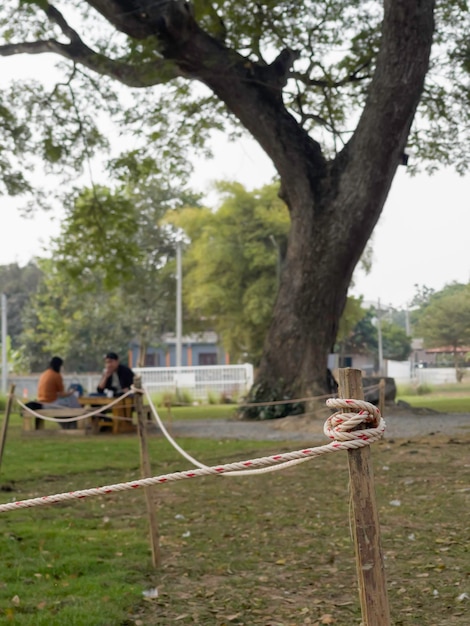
x=353, y=77
x=144, y=75
x=278, y=72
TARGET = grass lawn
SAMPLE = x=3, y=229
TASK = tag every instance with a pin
x=255, y=551
x=453, y=398
x=207, y=411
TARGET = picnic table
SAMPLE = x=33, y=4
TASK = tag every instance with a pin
x=118, y=420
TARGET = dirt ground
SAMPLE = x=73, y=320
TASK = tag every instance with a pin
x=399, y=424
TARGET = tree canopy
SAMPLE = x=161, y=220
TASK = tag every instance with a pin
x=320, y=56
x=328, y=90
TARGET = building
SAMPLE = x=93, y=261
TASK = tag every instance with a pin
x=196, y=349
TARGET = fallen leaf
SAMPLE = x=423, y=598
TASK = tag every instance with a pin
x=462, y=597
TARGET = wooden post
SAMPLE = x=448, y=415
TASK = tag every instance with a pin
x=146, y=472
x=3, y=437
x=365, y=522
x=382, y=396
x=169, y=418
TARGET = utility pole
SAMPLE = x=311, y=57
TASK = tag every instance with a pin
x=379, y=339
x=179, y=315
x=4, y=345
x=407, y=321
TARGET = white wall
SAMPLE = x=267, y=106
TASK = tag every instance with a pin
x=404, y=373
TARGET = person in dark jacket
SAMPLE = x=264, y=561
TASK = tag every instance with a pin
x=117, y=378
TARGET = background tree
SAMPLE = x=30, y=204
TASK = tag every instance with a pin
x=80, y=326
x=445, y=321
x=353, y=313
x=18, y=284
x=231, y=267
x=277, y=70
x=396, y=344
x=363, y=338
x=111, y=277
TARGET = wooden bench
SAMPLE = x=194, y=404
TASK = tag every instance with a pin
x=124, y=409
x=31, y=422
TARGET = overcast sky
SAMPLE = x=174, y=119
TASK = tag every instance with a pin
x=423, y=236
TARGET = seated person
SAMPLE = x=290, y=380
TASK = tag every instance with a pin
x=51, y=393
x=117, y=378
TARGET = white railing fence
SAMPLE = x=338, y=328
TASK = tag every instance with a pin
x=404, y=373
x=198, y=381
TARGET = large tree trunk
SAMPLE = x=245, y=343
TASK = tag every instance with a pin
x=332, y=224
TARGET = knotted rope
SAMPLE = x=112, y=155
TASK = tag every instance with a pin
x=338, y=427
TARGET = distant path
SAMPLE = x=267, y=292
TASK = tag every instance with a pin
x=399, y=426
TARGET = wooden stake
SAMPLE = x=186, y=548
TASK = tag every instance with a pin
x=6, y=419
x=365, y=523
x=146, y=472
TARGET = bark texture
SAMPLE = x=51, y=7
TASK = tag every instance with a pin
x=334, y=205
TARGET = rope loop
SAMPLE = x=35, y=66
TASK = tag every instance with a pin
x=134, y=389
x=345, y=426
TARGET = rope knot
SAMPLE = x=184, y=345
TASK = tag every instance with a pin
x=135, y=389
x=343, y=426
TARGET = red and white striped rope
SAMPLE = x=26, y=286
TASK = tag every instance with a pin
x=338, y=427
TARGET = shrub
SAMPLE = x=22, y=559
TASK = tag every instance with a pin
x=184, y=396
x=423, y=389
x=212, y=397
x=406, y=390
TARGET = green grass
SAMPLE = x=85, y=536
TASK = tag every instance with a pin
x=452, y=398
x=85, y=565
x=273, y=549
x=444, y=405
x=206, y=411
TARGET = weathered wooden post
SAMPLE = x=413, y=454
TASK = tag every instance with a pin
x=146, y=472
x=365, y=522
x=6, y=419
